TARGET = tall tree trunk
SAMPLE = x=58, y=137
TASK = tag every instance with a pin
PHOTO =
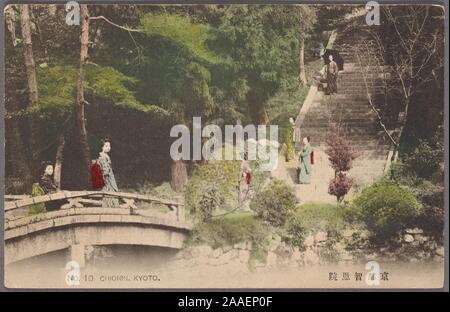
x=32, y=84
x=80, y=121
x=59, y=161
x=16, y=156
x=16, y=159
x=303, y=79
x=179, y=175
x=256, y=109
x=10, y=19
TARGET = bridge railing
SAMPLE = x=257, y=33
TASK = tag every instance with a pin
x=86, y=199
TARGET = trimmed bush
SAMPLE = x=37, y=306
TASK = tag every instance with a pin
x=311, y=218
x=274, y=202
x=386, y=209
x=212, y=186
x=232, y=229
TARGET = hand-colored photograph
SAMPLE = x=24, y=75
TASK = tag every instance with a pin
x=224, y=146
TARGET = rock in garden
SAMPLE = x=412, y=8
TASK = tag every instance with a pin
x=414, y=231
x=242, y=245
x=408, y=238
x=244, y=255
x=440, y=251
x=321, y=237
x=216, y=253
x=271, y=259
x=347, y=233
x=309, y=241
x=311, y=257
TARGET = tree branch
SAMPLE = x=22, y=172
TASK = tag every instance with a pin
x=101, y=17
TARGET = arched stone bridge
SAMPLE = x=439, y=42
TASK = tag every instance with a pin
x=82, y=221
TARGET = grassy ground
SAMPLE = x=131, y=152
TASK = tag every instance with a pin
x=317, y=216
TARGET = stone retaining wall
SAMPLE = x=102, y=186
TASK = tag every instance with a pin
x=318, y=249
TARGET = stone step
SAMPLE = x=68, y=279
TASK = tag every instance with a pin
x=365, y=145
x=342, y=106
x=342, y=113
x=357, y=86
x=347, y=119
x=349, y=130
x=375, y=151
x=344, y=121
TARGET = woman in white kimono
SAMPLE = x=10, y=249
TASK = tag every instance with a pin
x=108, y=175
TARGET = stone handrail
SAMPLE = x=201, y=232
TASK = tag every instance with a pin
x=79, y=199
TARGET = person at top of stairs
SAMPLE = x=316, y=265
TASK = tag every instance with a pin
x=332, y=72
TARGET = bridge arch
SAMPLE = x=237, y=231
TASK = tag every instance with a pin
x=75, y=226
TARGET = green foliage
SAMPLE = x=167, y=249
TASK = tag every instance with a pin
x=274, y=202
x=425, y=160
x=181, y=31
x=212, y=186
x=432, y=218
x=261, y=44
x=313, y=217
x=232, y=229
x=386, y=209
x=57, y=88
x=295, y=231
x=164, y=190
x=37, y=208
x=422, y=171
x=286, y=104
x=317, y=216
x=227, y=231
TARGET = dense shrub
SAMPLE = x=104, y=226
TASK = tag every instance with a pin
x=432, y=218
x=311, y=218
x=386, y=209
x=227, y=230
x=274, y=202
x=295, y=232
x=212, y=186
x=232, y=229
x=422, y=171
x=425, y=160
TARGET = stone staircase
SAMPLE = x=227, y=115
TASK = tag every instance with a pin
x=351, y=112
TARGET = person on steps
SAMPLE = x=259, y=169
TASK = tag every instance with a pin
x=305, y=167
x=332, y=72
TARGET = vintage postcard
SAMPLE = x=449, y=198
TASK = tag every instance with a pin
x=232, y=146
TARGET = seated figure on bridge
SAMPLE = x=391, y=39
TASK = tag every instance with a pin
x=47, y=186
x=108, y=175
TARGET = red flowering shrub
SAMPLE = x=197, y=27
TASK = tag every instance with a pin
x=340, y=152
x=339, y=186
x=341, y=155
